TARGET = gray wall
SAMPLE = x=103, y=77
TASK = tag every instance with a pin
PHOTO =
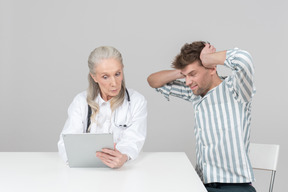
x=44, y=46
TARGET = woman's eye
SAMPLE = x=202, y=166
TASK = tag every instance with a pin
x=105, y=77
x=118, y=74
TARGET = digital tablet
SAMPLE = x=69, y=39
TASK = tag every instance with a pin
x=81, y=148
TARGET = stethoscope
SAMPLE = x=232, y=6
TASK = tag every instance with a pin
x=127, y=123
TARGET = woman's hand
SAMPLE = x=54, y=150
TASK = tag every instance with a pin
x=112, y=158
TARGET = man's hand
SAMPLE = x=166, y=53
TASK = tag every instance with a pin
x=112, y=158
x=210, y=58
x=204, y=55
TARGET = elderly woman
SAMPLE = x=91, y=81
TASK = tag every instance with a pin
x=114, y=109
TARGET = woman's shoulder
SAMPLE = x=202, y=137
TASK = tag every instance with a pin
x=81, y=97
x=135, y=95
x=79, y=103
x=137, y=101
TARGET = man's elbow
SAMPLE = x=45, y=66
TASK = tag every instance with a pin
x=152, y=82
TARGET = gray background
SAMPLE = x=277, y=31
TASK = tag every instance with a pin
x=44, y=46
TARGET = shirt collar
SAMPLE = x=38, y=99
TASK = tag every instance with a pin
x=100, y=100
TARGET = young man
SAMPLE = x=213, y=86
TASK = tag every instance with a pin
x=222, y=108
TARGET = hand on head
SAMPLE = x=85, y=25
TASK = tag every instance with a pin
x=208, y=49
x=204, y=55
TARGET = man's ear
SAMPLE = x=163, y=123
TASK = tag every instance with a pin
x=213, y=70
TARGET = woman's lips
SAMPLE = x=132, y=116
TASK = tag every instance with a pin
x=114, y=90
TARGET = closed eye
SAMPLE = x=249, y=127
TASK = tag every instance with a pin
x=192, y=74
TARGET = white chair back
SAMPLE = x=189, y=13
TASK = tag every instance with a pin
x=265, y=157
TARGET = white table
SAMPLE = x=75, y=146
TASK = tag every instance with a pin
x=45, y=171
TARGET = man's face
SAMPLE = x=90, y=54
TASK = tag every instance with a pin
x=198, y=78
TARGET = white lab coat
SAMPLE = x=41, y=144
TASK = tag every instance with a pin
x=129, y=140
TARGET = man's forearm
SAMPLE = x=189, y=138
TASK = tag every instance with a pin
x=161, y=78
x=210, y=60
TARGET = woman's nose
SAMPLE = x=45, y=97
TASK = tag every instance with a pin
x=113, y=81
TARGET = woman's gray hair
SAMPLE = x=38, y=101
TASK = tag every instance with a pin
x=96, y=57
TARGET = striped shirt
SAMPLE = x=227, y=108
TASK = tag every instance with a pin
x=222, y=122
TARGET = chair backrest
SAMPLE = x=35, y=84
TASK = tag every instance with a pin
x=264, y=156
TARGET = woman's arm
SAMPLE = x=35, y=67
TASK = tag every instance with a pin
x=131, y=138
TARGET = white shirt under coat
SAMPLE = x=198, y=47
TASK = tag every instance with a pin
x=129, y=140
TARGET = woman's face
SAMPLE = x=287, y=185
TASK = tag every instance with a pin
x=109, y=76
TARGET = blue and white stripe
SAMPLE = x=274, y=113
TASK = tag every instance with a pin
x=222, y=122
